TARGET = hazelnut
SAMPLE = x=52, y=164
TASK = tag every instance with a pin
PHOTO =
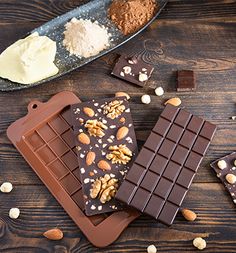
x=14, y=213
x=231, y=178
x=199, y=243
x=6, y=187
x=159, y=91
x=151, y=249
x=222, y=164
x=146, y=99
x=142, y=77
x=127, y=69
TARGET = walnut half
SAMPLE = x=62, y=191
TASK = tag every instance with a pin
x=104, y=188
x=114, y=109
x=119, y=154
x=95, y=128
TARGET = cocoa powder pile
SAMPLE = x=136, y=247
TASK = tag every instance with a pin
x=130, y=15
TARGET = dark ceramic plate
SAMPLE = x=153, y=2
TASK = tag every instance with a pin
x=95, y=10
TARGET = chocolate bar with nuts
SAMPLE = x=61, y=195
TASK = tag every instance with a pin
x=225, y=169
x=106, y=146
x=133, y=69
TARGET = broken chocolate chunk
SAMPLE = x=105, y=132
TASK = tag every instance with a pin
x=132, y=69
x=224, y=172
x=186, y=80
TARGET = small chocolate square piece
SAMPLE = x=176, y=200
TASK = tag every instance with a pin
x=132, y=69
x=186, y=80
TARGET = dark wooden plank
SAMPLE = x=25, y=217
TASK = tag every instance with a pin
x=216, y=221
x=44, y=10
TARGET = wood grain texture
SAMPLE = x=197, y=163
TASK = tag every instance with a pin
x=192, y=34
x=216, y=221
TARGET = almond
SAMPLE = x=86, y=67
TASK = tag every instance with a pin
x=90, y=158
x=122, y=132
x=173, y=101
x=122, y=94
x=188, y=214
x=88, y=111
x=104, y=165
x=54, y=234
x=84, y=138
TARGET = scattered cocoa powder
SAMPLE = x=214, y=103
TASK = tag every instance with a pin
x=130, y=15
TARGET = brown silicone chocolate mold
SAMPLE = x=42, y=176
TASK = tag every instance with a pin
x=45, y=139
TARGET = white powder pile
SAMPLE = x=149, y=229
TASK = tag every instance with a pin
x=85, y=38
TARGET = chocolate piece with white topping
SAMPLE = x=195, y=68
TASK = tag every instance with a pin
x=227, y=173
x=132, y=69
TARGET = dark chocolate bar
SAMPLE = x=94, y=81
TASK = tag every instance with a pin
x=107, y=154
x=165, y=167
x=133, y=69
x=225, y=169
x=186, y=80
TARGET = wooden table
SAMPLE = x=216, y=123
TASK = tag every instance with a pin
x=189, y=34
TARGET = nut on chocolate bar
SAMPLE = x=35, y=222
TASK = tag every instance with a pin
x=132, y=69
x=186, y=80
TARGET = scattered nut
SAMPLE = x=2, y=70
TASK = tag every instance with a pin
x=83, y=138
x=222, y=164
x=114, y=109
x=104, y=165
x=234, y=162
x=119, y=154
x=88, y=111
x=199, y=243
x=188, y=214
x=151, y=249
x=233, y=117
x=127, y=69
x=231, y=178
x=122, y=120
x=122, y=132
x=146, y=99
x=173, y=101
x=14, y=213
x=6, y=187
x=90, y=158
x=122, y=94
x=159, y=91
x=54, y=234
x=142, y=77
x=95, y=128
x=104, y=188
